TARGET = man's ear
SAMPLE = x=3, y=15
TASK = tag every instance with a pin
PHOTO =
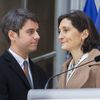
x=85, y=34
x=11, y=34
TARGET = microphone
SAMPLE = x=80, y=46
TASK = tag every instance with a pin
x=96, y=59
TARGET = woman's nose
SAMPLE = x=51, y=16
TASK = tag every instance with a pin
x=60, y=36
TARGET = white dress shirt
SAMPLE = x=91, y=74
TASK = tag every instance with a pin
x=20, y=60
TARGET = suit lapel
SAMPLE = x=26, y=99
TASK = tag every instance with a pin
x=79, y=77
x=62, y=78
x=16, y=67
x=34, y=74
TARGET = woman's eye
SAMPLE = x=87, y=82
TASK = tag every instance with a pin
x=65, y=30
x=59, y=31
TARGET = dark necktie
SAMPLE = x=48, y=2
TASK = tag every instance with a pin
x=25, y=63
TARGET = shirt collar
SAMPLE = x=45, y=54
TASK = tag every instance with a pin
x=19, y=59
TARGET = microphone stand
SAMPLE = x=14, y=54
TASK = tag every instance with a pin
x=46, y=86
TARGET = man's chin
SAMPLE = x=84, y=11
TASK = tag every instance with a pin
x=34, y=49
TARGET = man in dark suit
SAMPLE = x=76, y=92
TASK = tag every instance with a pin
x=20, y=27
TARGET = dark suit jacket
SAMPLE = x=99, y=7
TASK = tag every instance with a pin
x=13, y=83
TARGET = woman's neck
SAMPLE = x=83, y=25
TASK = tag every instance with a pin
x=76, y=56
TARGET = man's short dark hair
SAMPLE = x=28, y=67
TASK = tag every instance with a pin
x=15, y=19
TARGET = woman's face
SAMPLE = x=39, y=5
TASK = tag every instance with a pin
x=69, y=37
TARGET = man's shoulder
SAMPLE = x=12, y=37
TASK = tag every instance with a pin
x=5, y=58
x=2, y=56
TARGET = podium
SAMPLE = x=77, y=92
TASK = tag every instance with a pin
x=64, y=94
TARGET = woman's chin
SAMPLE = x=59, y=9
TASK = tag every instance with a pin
x=64, y=48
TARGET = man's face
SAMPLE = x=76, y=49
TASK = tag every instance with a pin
x=27, y=40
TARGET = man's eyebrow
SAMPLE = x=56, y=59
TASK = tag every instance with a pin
x=30, y=29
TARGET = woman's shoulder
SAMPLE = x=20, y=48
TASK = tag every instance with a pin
x=94, y=53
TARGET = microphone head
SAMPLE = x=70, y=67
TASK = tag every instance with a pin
x=97, y=58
